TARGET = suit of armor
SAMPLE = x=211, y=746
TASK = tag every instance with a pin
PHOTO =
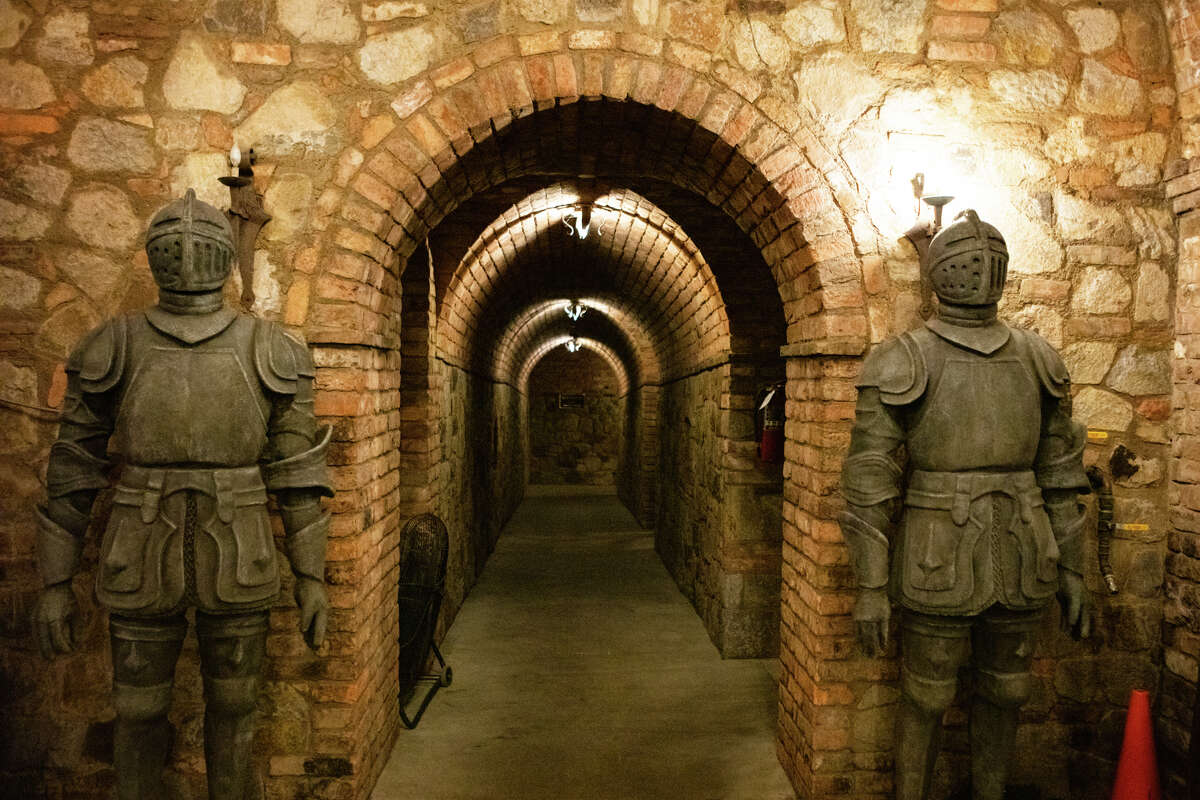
x=961, y=487
x=207, y=410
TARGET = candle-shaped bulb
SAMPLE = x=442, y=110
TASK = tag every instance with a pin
x=235, y=156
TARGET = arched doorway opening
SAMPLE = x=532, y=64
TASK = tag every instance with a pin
x=748, y=178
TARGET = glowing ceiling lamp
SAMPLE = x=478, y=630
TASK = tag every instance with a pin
x=573, y=345
x=579, y=221
x=574, y=310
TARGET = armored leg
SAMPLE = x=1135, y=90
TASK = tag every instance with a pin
x=932, y=649
x=144, y=653
x=231, y=657
x=1003, y=643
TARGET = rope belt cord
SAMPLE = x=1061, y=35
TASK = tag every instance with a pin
x=189, y=550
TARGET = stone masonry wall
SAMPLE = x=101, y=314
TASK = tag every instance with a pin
x=719, y=524
x=637, y=464
x=804, y=122
x=482, y=474
x=574, y=445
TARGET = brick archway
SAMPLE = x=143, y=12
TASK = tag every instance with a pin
x=510, y=109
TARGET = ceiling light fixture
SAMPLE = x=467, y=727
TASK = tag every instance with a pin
x=573, y=345
x=574, y=310
x=579, y=221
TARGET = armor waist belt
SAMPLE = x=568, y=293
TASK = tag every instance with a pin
x=955, y=491
x=229, y=486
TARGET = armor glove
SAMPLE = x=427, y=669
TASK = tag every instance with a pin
x=1076, y=604
x=872, y=611
x=314, y=610
x=54, y=619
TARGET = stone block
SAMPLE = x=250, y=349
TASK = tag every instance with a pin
x=196, y=80
x=387, y=10
x=293, y=116
x=1095, y=28
x=101, y=216
x=98, y=277
x=1106, y=92
x=814, y=23
x=246, y=17
x=1036, y=90
x=13, y=24
x=1102, y=410
x=1140, y=370
x=318, y=21
x=395, y=56
x=959, y=26
x=1151, y=303
x=1101, y=291
x=891, y=26
x=66, y=39
x=118, y=83
x=943, y=50
x=24, y=86
x=1026, y=36
x=266, y=53
x=1088, y=362
x=21, y=223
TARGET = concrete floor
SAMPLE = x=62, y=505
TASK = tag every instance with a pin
x=581, y=673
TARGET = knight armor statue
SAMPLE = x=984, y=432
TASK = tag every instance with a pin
x=961, y=493
x=205, y=410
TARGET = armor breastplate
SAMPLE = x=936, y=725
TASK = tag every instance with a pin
x=980, y=412
x=191, y=404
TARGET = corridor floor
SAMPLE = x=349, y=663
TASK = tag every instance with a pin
x=581, y=673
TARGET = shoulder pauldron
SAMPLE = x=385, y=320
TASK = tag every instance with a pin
x=1048, y=364
x=100, y=358
x=897, y=368
x=280, y=360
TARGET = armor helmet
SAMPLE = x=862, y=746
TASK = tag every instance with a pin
x=190, y=246
x=968, y=262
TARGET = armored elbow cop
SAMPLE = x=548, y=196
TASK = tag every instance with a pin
x=305, y=473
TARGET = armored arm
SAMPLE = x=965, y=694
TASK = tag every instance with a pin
x=892, y=377
x=76, y=472
x=1058, y=469
x=295, y=470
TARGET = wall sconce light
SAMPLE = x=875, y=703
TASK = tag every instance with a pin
x=922, y=233
x=246, y=215
x=574, y=310
x=573, y=345
x=579, y=221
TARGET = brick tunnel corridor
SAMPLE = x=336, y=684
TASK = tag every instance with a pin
x=581, y=672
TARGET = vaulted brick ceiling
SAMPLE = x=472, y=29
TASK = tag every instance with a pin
x=677, y=201
x=608, y=320
x=606, y=353
x=636, y=267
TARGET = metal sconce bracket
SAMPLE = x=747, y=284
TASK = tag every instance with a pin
x=922, y=233
x=246, y=215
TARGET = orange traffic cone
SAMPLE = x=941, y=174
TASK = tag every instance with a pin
x=1137, y=771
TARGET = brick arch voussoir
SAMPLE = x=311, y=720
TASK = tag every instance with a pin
x=790, y=200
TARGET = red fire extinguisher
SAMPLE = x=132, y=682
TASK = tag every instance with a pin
x=771, y=413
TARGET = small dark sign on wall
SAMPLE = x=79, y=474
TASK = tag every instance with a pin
x=570, y=400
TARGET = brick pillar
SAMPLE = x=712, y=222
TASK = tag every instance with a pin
x=835, y=728
x=1181, y=633
x=419, y=386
